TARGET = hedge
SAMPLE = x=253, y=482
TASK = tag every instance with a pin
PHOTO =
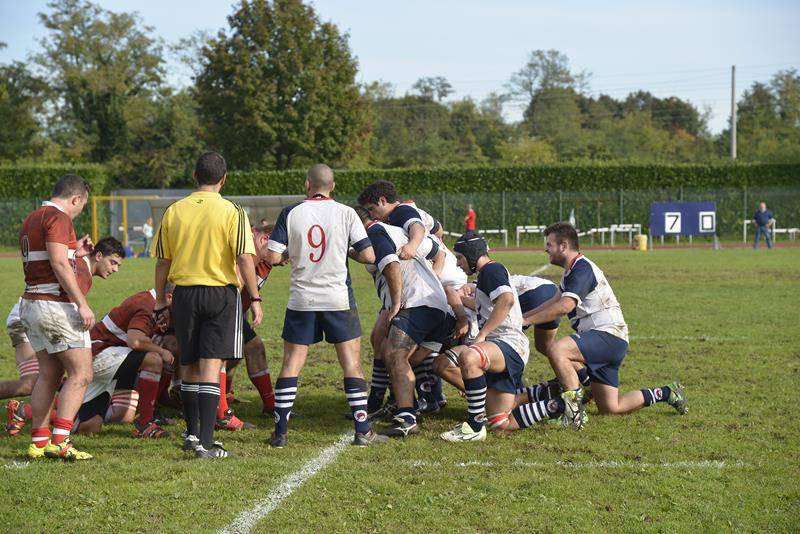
x=36, y=181
x=487, y=179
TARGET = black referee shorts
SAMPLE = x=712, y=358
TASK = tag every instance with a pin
x=208, y=322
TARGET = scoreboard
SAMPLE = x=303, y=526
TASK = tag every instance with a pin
x=683, y=218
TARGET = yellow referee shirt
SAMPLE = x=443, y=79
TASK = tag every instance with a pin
x=202, y=235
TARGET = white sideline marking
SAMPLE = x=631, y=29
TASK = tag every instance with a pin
x=598, y=464
x=246, y=520
x=16, y=465
x=689, y=338
x=540, y=270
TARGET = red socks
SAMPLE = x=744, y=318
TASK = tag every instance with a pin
x=148, y=386
x=263, y=383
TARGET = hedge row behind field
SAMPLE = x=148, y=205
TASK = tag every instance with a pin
x=488, y=179
x=36, y=181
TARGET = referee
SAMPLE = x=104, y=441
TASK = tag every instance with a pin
x=200, y=242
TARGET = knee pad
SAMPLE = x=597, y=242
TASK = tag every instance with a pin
x=498, y=421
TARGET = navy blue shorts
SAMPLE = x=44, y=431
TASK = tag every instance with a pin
x=509, y=380
x=534, y=298
x=308, y=327
x=422, y=323
x=603, y=353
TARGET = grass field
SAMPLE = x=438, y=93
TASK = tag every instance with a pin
x=724, y=322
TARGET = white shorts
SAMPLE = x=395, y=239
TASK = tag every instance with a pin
x=15, y=328
x=53, y=326
x=104, y=367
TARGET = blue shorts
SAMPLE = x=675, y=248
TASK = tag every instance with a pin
x=422, y=323
x=603, y=353
x=307, y=327
x=536, y=297
x=509, y=380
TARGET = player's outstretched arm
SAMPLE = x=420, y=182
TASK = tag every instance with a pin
x=502, y=307
x=394, y=280
x=551, y=310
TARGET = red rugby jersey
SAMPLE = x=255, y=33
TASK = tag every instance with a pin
x=262, y=272
x=47, y=224
x=135, y=312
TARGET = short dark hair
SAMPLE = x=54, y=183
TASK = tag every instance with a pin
x=362, y=213
x=563, y=231
x=108, y=246
x=70, y=185
x=263, y=228
x=374, y=191
x=210, y=168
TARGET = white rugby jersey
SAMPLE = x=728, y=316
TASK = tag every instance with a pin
x=523, y=284
x=494, y=280
x=421, y=287
x=597, y=306
x=452, y=275
x=317, y=233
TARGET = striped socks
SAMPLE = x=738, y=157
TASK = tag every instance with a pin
x=528, y=414
x=652, y=396
x=355, y=390
x=475, y=389
x=285, y=393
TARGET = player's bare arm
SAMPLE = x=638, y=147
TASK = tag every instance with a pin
x=138, y=340
x=247, y=270
x=416, y=233
x=365, y=256
x=501, y=309
x=551, y=310
x=394, y=281
x=59, y=260
x=162, y=272
x=454, y=300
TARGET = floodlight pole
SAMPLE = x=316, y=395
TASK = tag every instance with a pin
x=733, y=111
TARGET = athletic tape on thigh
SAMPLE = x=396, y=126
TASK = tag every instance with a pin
x=28, y=368
x=498, y=421
x=484, y=357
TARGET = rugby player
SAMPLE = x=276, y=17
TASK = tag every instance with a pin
x=601, y=341
x=417, y=312
x=127, y=367
x=56, y=315
x=492, y=366
x=254, y=351
x=104, y=260
x=315, y=235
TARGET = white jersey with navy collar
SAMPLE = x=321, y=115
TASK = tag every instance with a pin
x=317, y=233
x=494, y=280
x=597, y=306
x=421, y=287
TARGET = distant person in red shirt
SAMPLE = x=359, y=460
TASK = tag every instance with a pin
x=469, y=220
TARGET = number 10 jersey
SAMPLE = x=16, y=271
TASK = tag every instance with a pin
x=316, y=235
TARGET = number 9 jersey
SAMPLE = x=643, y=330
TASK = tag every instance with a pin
x=316, y=235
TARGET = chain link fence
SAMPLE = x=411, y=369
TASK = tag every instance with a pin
x=496, y=211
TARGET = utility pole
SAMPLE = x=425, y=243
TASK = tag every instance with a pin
x=733, y=111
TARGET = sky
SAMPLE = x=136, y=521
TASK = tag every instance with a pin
x=679, y=48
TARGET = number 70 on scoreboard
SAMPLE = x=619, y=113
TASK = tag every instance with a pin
x=683, y=218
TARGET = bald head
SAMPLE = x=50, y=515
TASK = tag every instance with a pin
x=320, y=179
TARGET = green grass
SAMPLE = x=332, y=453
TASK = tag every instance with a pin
x=724, y=322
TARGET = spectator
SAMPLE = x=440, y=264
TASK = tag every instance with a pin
x=764, y=220
x=469, y=220
x=147, y=231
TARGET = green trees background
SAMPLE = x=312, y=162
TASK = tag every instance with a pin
x=277, y=89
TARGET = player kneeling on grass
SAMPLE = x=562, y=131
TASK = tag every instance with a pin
x=601, y=341
x=492, y=366
x=127, y=368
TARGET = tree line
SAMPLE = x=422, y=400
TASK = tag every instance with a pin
x=277, y=89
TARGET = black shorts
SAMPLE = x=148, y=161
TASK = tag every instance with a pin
x=208, y=322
